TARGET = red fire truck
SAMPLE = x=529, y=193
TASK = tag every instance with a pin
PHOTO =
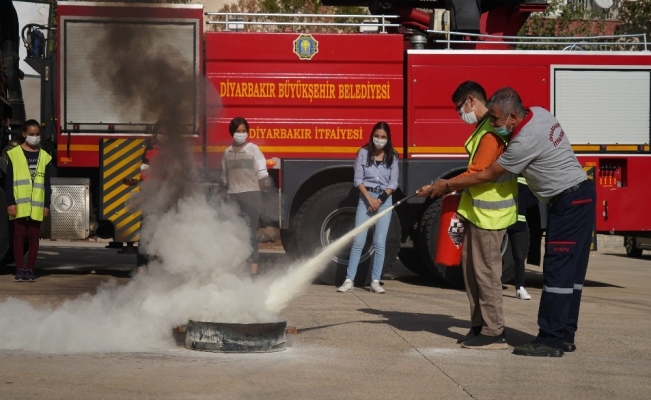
x=312, y=98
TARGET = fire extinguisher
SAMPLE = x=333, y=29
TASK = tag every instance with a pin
x=450, y=237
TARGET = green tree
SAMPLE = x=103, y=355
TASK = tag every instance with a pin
x=635, y=17
x=295, y=7
x=562, y=19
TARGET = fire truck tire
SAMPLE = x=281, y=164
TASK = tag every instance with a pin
x=453, y=276
x=411, y=259
x=326, y=216
x=290, y=244
x=631, y=247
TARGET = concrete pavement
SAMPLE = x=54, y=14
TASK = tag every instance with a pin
x=361, y=345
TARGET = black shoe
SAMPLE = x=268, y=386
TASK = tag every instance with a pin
x=537, y=349
x=569, y=347
x=474, y=331
x=29, y=275
x=20, y=275
x=484, y=342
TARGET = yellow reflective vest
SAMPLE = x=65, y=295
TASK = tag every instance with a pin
x=521, y=217
x=491, y=205
x=29, y=195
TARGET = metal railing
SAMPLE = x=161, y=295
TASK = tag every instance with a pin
x=570, y=42
x=235, y=19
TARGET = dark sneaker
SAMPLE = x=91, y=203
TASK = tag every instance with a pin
x=20, y=275
x=537, y=349
x=484, y=342
x=29, y=275
x=474, y=331
x=569, y=347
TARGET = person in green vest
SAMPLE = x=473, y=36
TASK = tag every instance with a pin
x=486, y=211
x=28, y=192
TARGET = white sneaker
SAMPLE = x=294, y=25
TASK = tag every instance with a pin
x=376, y=287
x=346, y=287
x=522, y=294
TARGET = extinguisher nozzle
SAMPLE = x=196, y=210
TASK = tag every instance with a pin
x=404, y=199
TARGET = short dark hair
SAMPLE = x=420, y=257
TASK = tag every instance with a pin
x=469, y=88
x=31, y=122
x=508, y=101
x=235, y=123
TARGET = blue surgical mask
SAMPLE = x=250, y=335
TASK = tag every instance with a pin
x=501, y=130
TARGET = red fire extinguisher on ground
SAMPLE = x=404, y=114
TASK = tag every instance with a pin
x=450, y=237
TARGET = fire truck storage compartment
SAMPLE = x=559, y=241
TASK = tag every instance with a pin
x=89, y=103
x=612, y=172
x=602, y=105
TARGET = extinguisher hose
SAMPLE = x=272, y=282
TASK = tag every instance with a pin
x=404, y=200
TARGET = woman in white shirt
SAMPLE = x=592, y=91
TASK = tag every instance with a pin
x=244, y=171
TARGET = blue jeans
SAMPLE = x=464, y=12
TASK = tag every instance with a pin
x=379, y=238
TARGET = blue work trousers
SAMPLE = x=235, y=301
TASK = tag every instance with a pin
x=379, y=238
x=567, y=248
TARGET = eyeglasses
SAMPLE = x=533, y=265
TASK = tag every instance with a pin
x=460, y=106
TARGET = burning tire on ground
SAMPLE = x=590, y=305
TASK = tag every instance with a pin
x=224, y=337
x=327, y=216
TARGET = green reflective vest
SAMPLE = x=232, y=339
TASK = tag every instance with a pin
x=522, y=218
x=30, y=196
x=491, y=205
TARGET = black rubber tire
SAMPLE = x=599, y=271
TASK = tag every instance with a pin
x=631, y=247
x=337, y=203
x=453, y=276
x=411, y=259
x=290, y=244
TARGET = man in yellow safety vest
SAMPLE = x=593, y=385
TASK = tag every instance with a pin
x=28, y=193
x=487, y=210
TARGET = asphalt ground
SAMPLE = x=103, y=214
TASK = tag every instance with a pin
x=359, y=345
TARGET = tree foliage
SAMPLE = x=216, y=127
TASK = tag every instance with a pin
x=635, y=17
x=563, y=19
x=296, y=7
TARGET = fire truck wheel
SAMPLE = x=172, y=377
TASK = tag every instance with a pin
x=290, y=244
x=428, y=235
x=411, y=259
x=631, y=247
x=328, y=215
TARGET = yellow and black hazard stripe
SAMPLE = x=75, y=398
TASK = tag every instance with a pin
x=120, y=159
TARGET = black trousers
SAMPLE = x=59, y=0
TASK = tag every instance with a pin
x=250, y=205
x=567, y=248
x=519, y=239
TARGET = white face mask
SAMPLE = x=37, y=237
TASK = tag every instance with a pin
x=380, y=143
x=240, y=137
x=469, y=118
x=33, y=140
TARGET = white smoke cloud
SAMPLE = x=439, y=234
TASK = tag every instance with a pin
x=199, y=246
x=197, y=242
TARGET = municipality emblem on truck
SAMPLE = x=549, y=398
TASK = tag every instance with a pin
x=305, y=47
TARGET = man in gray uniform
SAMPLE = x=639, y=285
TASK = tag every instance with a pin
x=541, y=152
